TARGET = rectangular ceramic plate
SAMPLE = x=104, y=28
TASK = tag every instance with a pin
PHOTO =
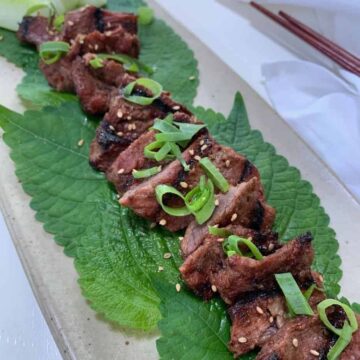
x=78, y=331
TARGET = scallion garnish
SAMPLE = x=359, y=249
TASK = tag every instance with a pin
x=145, y=15
x=231, y=247
x=345, y=333
x=58, y=22
x=140, y=174
x=222, y=232
x=130, y=64
x=161, y=191
x=154, y=87
x=214, y=174
x=52, y=51
x=295, y=299
x=200, y=201
x=171, y=135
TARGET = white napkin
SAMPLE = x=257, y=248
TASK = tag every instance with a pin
x=322, y=105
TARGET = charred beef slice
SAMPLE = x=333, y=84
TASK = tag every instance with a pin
x=35, y=30
x=307, y=332
x=242, y=274
x=142, y=198
x=257, y=316
x=210, y=257
x=239, y=206
x=96, y=86
x=124, y=123
x=120, y=171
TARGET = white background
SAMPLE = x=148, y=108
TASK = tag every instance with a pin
x=238, y=37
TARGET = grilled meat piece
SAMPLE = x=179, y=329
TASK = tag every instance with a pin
x=124, y=123
x=258, y=316
x=352, y=351
x=242, y=200
x=90, y=19
x=142, y=198
x=301, y=338
x=209, y=258
x=96, y=86
x=35, y=30
x=241, y=274
x=120, y=172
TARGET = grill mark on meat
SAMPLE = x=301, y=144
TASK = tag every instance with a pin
x=258, y=216
x=24, y=25
x=248, y=168
x=99, y=20
x=106, y=137
x=162, y=106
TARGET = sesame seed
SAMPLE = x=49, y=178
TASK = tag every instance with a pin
x=220, y=240
x=197, y=157
x=167, y=255
x=81, y=142
x=111, y=128
x=178, y=287
x=321, y=278
x=259, y=310
x=108, y=33
x=271, y=247
x=202, y=142
x=160, y=268
x=184, y=184
x=51, y=32
x=227, y=163
x=129, y=117
x=152, y=225
x=192, y=77
x=81, y=41
x=134, y=171
x=162, y=222
x=108, y=24
x=314, y=352
x=134, y=126
x=176, y=107
x=119, y=114
x=204, y=147
x=216, y=226
x=213, y=288
x=217, y=202
x=118, y=196
x=72, y=41
x=120, y=133
x=271, y=319
x=120, y=171
x=96, y=47
x=70, y=23
x=242, y=340
x=191, y=152
x=233, y=217
x=295, y=342
x=1, y=38
x=181, y=238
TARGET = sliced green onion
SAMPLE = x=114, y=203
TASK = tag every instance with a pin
x=145, y=15
x=348, y=311
x=161, y=191
x=162, y=151
x=200, y=203
x=96, y=63
x=231, y=246
x=342, y=342
x=198, y=196
x=294, y=297
x=130, y=64
x=165, y=125
x=205, y=212
x=345, y=333
x=52, y=51
x=37, y=7
x=58, y=22
x=176, y=151
x=153, y=86
x=140, y=174
x=222, y=232
x=172, y=137
x=214, y=174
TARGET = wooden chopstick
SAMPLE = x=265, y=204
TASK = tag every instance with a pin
x=322, y=38
x=335, y=53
